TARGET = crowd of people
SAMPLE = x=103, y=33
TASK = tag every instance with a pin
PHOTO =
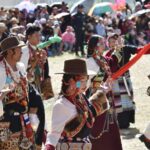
x=91, y=107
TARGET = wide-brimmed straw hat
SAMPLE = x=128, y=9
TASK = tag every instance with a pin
x=76, y=67
x=10, y=43
x=2, y=26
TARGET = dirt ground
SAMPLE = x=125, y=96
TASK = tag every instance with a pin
x=140, y=82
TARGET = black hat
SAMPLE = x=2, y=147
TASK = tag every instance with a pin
x=80, y=6
x=76, y=67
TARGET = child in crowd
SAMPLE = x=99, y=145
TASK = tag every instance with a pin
x=68, y=38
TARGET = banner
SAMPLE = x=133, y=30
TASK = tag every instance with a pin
x=123, y=69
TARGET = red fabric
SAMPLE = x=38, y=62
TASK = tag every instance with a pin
x=1, y=58
x=109, y=140
x=49, y=147
x=139, y=49
x=123, y=69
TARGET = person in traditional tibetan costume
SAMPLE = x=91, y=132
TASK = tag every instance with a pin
x=73, y=115
x=15, y=129
x=37, y=67
x=122, y=87
x=105, y=132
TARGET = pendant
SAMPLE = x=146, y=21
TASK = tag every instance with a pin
x=25, y=143
x=86, y=114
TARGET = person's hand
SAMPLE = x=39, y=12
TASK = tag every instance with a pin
x=107, y=85
x=6, y=90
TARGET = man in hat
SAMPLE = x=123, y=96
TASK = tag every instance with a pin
x=15, y=129
x=78, y=22
x=73, y=115
x=37, y=68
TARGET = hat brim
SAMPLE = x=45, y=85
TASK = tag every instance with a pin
x=21, y=44
x=113, y=35
x=89, y=72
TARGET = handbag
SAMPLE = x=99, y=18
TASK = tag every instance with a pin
x=46, y=89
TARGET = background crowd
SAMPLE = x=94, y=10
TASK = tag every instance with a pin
x=76, y=28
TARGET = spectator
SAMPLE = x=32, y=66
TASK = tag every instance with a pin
x=68, y=38
x=100, y=28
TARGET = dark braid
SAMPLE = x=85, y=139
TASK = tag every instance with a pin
x=65, y=80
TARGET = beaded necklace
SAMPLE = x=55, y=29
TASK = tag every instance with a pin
x=22, y=81
x=102, y=64
x=39, y=68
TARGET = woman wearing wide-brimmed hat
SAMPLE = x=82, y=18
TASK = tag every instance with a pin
x=15, y=130
x=105, y=132
x=72, y=115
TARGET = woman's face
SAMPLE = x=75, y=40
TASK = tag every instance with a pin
x=100, y=46
x=113, y=43
x=78, y=85
x=81, y=83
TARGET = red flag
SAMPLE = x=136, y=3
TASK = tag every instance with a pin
x=123, y=69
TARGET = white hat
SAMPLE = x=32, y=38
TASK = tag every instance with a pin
x=43, y=21
x=56, y=22
x=2, y=26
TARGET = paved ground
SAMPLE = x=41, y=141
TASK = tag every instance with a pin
x=140, y=82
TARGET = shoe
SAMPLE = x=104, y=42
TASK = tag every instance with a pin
x=142, y=138
x=124, y=132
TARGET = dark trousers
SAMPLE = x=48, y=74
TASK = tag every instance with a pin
x=35, y=101
x=79, y=45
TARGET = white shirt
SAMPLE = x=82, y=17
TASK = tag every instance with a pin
x=93, y=66
x=63, y=111
x=100, y=29
x=26, y=54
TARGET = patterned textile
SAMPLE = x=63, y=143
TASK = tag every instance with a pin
x=74, y=146
x=123, y=94
x=12, y=143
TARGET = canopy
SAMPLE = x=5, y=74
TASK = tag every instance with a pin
x=139, y=13
x=26, y=4
x=100, y=8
